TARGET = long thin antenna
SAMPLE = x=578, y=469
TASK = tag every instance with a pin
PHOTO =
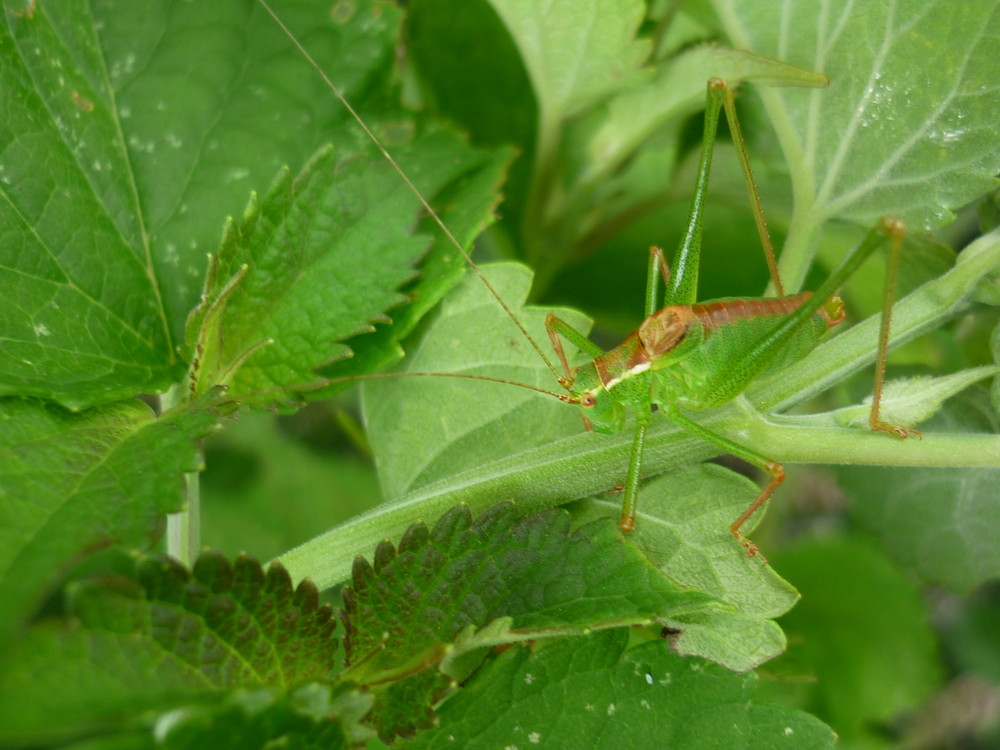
x=564, y=397
x=423, y=201
x=316, y=385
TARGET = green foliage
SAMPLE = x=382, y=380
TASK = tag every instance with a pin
x=861, y=626
x=526, y=579
x=191, y=214
x=76, y=482
x=163, y=640
x=572, y=693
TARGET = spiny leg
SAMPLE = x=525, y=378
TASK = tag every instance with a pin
x=627, y=521
x=895, y=231
x=751, y=183
x=657, y=267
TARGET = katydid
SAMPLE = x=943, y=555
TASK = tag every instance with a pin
x=685, y=356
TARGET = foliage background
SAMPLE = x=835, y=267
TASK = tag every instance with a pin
x=894, y=641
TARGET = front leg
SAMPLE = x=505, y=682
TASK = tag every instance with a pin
x=556, y=327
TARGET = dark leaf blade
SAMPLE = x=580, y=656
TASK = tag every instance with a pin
x=591, y=692
x=533, y=573
x=81, y=315
x=73, y=483
x=166, y=639
x=405, y=706
x=214, y=100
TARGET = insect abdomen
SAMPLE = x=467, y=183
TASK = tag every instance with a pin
x=718, y=370
x=715, y=315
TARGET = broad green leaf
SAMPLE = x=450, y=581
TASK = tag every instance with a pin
x=907, y=124
x=862, y=631
x=80, y=315
x=938, y=522
x=213, y=100
x=575, y=52
x=533, y=573
x=163, y=640
x=154, y=121
x=72, y=483
x=942, y=523
x=424, y=429
x=592, y=692
x=677, y=89
x=683, y=527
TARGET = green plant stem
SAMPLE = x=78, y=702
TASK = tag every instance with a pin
x=184, y=528
x=581, y=465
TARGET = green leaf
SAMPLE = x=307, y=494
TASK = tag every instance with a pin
x=905, y=127
x=862, y=630
x=465, y=205
x=167, y=638
x=575, y=52
x=72, y=483
x=677, y=89
x=80, y=313
x=926, y=133
x=404, y=706
x=942, y=523
x=683, y=527
x=407, y=611
x=241, y=104
x=425, y=429
x=156, y=121
x=592, y=692
x=295, y=277
x=905, y=401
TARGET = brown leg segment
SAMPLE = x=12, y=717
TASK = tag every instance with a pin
x=895, y=231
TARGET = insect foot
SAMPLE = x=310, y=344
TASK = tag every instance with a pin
x=752, y=549
x=898, y=430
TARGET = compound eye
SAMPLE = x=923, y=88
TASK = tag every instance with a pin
x=588, y=400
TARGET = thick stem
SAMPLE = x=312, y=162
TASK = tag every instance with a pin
x=585, y=464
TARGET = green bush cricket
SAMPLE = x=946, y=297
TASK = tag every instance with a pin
x=686, y=356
